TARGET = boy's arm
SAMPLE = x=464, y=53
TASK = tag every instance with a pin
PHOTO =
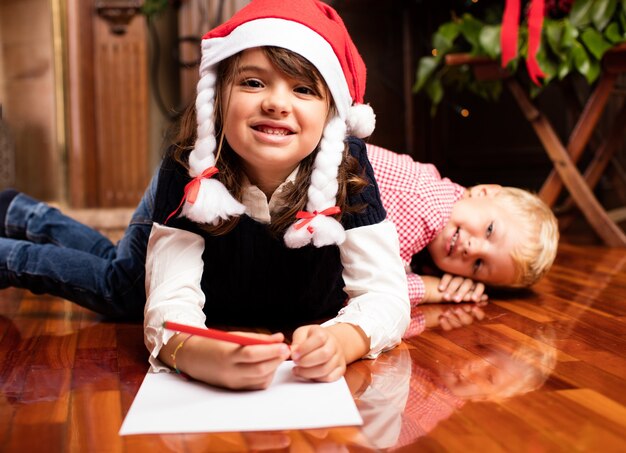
x=417, y=289
x=452, y=288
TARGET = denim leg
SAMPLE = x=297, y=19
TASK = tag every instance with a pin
x=72, y=274
x=129, y=263
x=38, y=222
x=65, y=258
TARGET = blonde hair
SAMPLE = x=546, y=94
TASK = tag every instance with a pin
x=530, y=363
x=534, y=257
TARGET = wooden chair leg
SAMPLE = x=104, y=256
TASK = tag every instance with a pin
x=595, y=169
x=595, y=214
x=601, y=158
x=581, y=134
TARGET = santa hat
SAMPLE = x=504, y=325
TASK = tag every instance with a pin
x=315, y=31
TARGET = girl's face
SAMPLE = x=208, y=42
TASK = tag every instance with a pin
x=272, y=121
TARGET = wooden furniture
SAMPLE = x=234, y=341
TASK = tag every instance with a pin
x=564, y=157
x=27, y=93
x=108, y=97
x=545, y=371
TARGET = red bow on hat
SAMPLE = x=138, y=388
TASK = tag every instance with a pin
x=509, y=33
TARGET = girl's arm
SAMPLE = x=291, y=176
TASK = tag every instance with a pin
x=377, y=313
x=174, y=269
x=226, y=364
x=376, y=284
x=322, y=353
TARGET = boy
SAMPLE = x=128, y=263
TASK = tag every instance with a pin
x=486, y=234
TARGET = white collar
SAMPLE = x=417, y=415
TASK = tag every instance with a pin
x=256, y=202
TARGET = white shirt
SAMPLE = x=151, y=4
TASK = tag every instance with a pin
x=374, y=278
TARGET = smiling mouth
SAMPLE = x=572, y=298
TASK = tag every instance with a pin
x=273, y=130
x=453, y=240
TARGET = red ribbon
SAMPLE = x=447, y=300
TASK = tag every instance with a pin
x=535, y=23
x=306, y=217
x=193, y=187
x=510, y=31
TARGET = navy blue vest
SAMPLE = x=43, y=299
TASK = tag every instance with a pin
x=250, y=278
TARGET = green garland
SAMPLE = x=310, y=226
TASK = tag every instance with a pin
x=152, y=8
x=572, y=44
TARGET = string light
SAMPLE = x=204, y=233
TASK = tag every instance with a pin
x=458, y=109
x=462, y=111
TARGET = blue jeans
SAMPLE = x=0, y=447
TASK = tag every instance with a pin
x=45, y=251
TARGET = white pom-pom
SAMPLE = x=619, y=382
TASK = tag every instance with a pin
x=321, y=230
x=327, y=231
x=296, y=238
x=361, y=120
x=213, y=203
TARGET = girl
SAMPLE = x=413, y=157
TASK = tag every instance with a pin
x=281, y=222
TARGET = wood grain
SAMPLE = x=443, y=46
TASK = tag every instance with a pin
x=545, y=371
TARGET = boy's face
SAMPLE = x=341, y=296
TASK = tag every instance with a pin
x=478, y=240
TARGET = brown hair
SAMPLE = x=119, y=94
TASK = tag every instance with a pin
x=231, y=173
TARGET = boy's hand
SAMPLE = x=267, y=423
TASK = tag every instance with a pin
x=317, y=354
x=452, y=317
x=452, y=288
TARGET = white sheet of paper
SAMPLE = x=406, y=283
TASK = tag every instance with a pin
x=167, y=403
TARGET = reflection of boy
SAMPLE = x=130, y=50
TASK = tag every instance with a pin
x=402, y=400
x=486, y=234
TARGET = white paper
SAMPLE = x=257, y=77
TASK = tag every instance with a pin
x=167, y=403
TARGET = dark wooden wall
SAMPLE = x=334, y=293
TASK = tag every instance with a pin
x=493, y=144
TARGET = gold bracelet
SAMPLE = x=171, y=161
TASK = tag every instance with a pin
x=173, y=354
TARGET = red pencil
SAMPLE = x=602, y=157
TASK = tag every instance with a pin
x=215, y=334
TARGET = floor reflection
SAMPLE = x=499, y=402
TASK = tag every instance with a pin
x=401, y=400
x=67, y=378
x=503, y=370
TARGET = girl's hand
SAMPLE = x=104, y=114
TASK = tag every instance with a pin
x=230, y=365
x=461, y=289
x=452, y=317
x=317, y=354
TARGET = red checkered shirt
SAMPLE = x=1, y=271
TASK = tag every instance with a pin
x=428, y=403
x=419, y=202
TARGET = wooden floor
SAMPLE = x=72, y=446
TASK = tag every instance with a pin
x=546, y=371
